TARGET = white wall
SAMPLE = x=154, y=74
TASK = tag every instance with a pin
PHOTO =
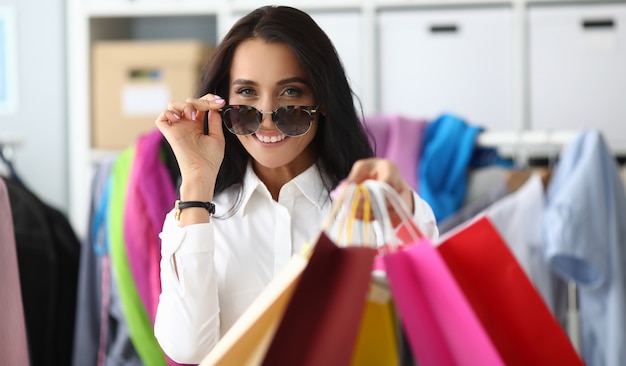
x=40, y=120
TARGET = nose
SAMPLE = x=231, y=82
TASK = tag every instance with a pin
x=266, y=119
x=265, y=106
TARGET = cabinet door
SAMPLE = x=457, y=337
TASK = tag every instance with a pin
x=448, y=60
x=578, y=68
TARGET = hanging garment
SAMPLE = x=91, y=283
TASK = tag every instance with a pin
x=469, y=211
x=13, y=343
x=448, y=147
x=149, y=197
x=400, y=140
x=48, y=252
x=138, y=322
x=517, y=218
x=449, y=151
x=508, y=305
x=585, y=237
x=101, y=333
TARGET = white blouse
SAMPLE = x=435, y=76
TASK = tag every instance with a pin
x=225, y=264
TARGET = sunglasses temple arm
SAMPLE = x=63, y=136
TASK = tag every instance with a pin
x=205, y=123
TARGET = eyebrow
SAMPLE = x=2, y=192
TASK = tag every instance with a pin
x=294, y=79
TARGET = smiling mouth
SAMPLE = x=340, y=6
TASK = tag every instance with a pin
x=270, y=139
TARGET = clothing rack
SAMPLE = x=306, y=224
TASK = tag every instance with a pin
x=525, y=138
x=541, y=146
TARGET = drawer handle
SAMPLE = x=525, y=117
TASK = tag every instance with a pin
x=598, y=24
x=444, y=28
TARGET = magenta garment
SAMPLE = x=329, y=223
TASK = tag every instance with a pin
x=150, y=196
x=398, y=139
x=13, y=343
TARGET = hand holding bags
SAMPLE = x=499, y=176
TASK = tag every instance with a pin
x=309, y=314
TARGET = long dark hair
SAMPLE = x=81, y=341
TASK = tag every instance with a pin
x=341, y=138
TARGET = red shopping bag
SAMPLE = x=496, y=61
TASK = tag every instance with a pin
x=322, y=320
x=511, y=310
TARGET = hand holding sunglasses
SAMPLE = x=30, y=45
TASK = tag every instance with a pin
x=290, y=120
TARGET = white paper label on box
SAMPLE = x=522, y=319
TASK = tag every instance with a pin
x=142, y=100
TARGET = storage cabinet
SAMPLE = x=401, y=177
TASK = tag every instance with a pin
x=508, y=65
x=457, y=61
x=578, y=68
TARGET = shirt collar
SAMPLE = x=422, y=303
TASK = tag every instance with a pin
x=308, y=182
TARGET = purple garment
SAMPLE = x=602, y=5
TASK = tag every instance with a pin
x=400, y=140
x=405, y=146
x=378, y=126
x=151, y=193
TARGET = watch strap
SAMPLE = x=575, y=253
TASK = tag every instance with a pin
x=181, y=205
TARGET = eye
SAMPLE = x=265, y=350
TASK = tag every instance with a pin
x=244, y=91
x=292, y=92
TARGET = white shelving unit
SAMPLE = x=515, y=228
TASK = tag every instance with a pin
x=358, y=43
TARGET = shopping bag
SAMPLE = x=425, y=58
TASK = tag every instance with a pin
x=511, y=310
x=321, y=321
x=441, y=326
x=246, y=342
x=377, y=340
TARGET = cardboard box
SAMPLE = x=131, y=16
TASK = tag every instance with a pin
x=133, y=81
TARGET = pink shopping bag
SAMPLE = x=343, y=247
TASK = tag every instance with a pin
x=441, y=326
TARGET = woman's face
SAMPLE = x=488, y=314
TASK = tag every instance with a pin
x=267, y=76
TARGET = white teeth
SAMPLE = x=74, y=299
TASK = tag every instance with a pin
x=270, y=139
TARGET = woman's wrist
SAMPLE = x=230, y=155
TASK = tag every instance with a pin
x=197, y=189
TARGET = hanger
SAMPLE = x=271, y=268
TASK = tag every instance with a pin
x=6, y=157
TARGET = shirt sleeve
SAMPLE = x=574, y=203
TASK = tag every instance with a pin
x=424, y=217
x=187, y=320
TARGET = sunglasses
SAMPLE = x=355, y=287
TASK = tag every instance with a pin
x=290, y=120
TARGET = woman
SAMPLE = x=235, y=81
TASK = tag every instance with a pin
x=292, y=135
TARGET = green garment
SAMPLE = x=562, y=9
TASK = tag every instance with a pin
x=139, y=325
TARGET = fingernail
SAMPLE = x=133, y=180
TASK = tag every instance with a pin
x=218, y=99
x=193, y=115
x=176, y=116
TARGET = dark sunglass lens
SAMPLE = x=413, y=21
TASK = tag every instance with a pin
x=293, y=121
x=242, y=121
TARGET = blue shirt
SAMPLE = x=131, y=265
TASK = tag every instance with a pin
x=584, y=229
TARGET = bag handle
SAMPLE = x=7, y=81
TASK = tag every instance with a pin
x=387, y=199
x=376, y=198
